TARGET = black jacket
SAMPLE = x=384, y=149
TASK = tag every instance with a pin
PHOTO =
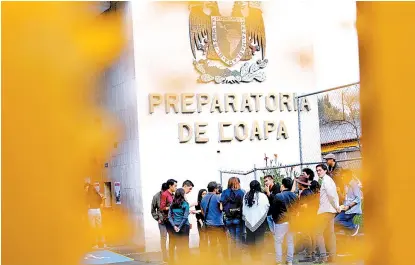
x=335, y=173
x=304, y=194
x=199, y=216
x=272, y=192
x=282, y=206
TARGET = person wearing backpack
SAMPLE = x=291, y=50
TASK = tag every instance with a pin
x=232, y=201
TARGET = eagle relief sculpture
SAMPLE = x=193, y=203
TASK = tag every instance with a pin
x=228, y=49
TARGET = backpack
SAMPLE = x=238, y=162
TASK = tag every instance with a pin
x=233, y=206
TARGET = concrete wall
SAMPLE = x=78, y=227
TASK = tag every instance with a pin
x=164, y=65
x=336, y=45
x=303, y=57
x=120, y=98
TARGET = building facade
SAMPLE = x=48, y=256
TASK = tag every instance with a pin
x=180, y=125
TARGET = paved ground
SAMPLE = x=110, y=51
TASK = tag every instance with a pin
x=155, y=258
x=138, y=257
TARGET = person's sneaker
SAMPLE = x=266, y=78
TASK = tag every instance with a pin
x=356, y=230
x=289, y=263
x=95, y=247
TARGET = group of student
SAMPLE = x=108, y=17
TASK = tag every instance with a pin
x=244, y=217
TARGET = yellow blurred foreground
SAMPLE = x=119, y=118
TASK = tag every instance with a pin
x=386, y=49
x=50, y=54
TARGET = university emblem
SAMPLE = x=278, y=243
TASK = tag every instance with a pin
x=228, y=49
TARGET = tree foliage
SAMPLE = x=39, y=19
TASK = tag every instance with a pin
x=327, y=111
x=275, y=169
x=342, y=108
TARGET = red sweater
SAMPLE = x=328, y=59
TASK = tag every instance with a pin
x=165, y=201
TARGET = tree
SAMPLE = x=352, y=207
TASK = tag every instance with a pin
x=328, y=111
x=271, y=169
x=346, y=112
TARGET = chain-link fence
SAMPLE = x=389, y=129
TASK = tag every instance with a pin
x=338, y=127
x=280, y=172
x=244, y=177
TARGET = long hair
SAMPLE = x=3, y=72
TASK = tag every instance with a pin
x=219, y=189
x=178, y=198
x=199, y=196
x=255, y=188
x=233, y=183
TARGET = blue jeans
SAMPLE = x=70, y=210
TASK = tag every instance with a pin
x=326, y=226
x=345, y=220
x=234, y=227
x=280, y=230
x=270, y=224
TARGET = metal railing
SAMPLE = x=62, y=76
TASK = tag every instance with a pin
x=339, y=127
x=255, y=170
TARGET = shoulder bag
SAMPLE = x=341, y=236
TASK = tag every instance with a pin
x=206, y=214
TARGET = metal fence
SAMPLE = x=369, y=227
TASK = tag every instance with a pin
x=338, y=126
x=282, y=171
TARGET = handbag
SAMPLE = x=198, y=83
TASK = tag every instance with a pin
x=204, y=227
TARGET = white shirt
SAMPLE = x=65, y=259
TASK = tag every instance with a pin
x=329, y=199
